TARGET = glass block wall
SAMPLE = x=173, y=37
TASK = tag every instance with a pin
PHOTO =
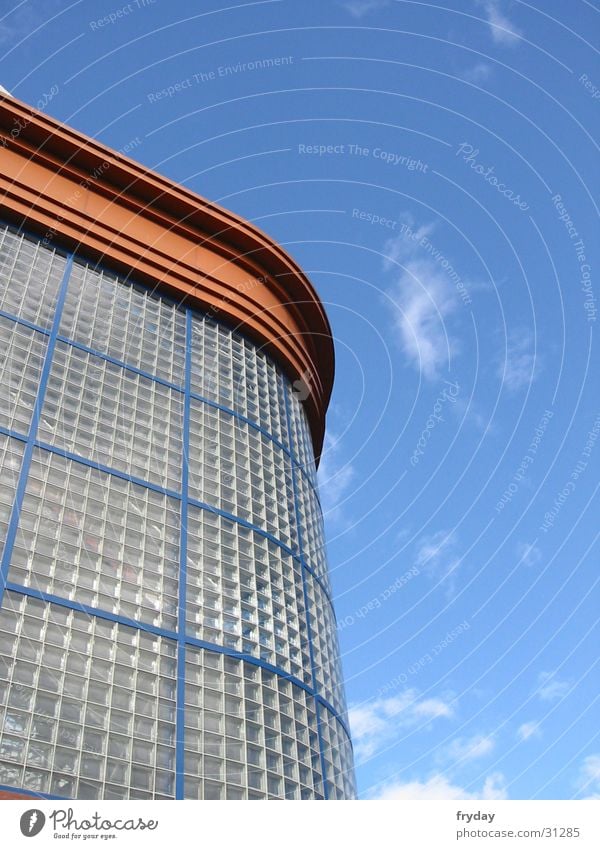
x=166, y=625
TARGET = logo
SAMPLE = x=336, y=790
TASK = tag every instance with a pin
x=32, y=822
x=301, y=387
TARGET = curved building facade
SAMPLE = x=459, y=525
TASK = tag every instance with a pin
x=166, y=622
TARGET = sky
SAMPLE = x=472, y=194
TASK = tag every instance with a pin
x=432, y=167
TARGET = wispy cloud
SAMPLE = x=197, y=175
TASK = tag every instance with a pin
x=437, y=786
x=528, y=730
x=376, y=723
x=551, y=688
x=335, y=477
x=425, y=298
x=468, y=748
x=436, y=556
x=473, y=414
x=589, y=777
x=406, y=244
x=528, y=553
x=502, y=29
x=25, y=18
x=359, y=8
x=479, y=73
x=424, y=301
x=521, y=365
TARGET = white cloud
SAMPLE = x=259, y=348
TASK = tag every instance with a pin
x=427, y=292
x=528, y=553
x=425, y=298
x=436, y=556
x=469, y=748
x=360, y=8
x=589, y=777
x=437, y=786
x=335, y=476
x=19, y=23
x=528, y=730
x=479, y=73
x=376, y=723
x=521, y=365
x=473, y=414
x=502, y=30
x=551, y=688
x=406, y=244
x=431, y=548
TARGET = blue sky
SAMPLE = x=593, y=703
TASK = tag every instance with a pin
x=431, y=166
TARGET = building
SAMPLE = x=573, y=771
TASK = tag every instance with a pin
x=166, y=625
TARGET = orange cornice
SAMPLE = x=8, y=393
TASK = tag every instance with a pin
x=75, y=192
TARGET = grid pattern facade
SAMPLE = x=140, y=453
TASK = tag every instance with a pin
x=166, y=627
x=88, y=704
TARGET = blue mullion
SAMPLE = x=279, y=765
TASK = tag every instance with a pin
x=5, y=431
x=287, y=451
x=118, y=619
x=182, y=607
x=306, y=607
x=326, y=592
x=307, y=477
x=102, y=355
x=242, y=417
x=210, y=508
x=335, y=714
x=248, y=658
x=35, y=417
x=89, y=610
x=109, y=470
x=24, y=322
